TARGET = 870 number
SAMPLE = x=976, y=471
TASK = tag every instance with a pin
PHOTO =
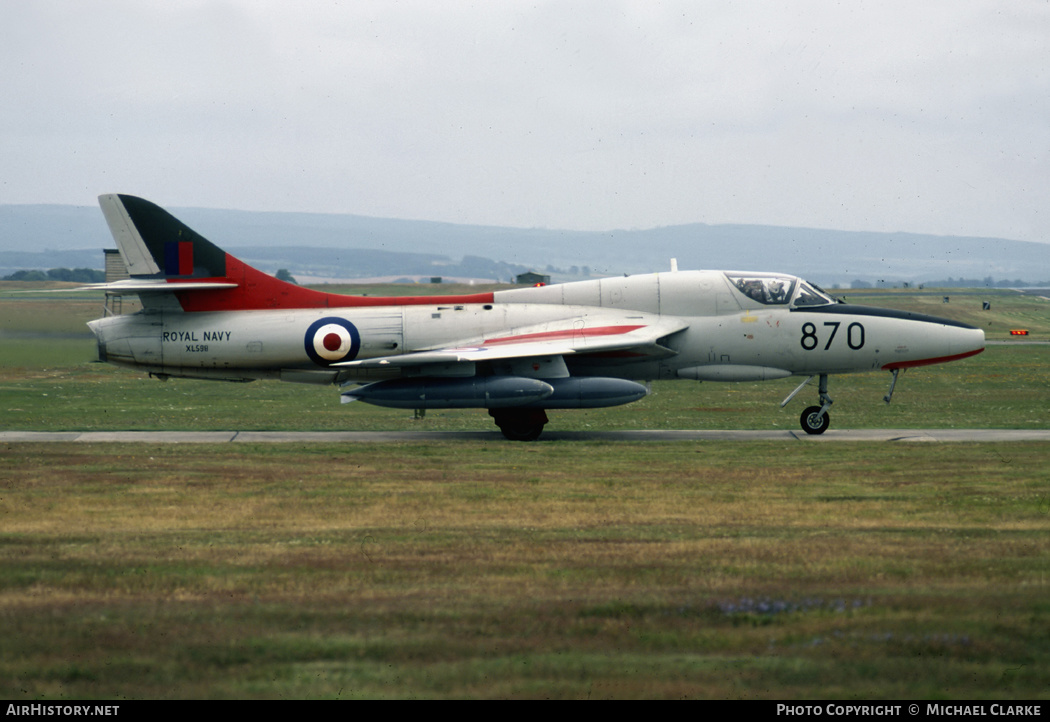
x=854, y=335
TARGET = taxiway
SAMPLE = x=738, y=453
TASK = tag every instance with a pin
x=338, y=437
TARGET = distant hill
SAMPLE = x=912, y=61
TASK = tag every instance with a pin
x=349, y=246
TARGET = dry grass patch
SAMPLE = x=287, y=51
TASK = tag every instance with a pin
x=557, y=569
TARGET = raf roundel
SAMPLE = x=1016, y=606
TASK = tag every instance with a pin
x=332, y=340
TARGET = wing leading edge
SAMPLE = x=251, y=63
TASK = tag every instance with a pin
x=638, y=335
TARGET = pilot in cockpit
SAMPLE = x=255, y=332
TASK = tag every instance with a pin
x=777, y=292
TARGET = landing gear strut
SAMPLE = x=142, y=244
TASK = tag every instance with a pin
x=815, y=419
x=520, y=424
x=889, y=396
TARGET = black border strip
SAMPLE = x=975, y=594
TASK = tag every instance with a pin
x=847, y=309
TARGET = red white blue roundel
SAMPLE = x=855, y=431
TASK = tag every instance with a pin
x=331, y=340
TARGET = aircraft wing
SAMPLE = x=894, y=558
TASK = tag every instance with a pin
x=635, y=336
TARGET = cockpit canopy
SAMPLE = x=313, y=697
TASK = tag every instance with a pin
x=771, y=289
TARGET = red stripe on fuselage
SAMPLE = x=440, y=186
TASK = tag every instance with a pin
x=257, y=290
x=930, y=361
x=566, y=333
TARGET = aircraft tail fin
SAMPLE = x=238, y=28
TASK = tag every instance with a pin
x=156, y=244
x=166, y=257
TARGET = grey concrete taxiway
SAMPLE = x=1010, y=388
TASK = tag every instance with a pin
x=338, y=437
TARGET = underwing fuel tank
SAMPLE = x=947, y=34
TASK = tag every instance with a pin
x=499, y=392
x=732, y=372
x=493, y=392
x=590, y=392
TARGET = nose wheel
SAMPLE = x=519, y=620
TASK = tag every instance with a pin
x=815, y=419
x=815, y=422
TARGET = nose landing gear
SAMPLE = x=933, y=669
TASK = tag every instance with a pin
x=815, y=419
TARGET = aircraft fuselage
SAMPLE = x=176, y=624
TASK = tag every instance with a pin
x=728, y=336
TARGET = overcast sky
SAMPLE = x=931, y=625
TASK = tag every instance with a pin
x=930, y=116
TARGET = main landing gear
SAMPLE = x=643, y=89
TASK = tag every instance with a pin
x=520, y=424
x=815, y=419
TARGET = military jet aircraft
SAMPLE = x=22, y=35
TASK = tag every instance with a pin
x=516, y=353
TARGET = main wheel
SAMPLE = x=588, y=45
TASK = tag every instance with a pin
x=813, y=422
x=520, y=424
x=521, y=432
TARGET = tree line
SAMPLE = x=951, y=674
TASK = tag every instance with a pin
x=986, y=282
x=75, y=275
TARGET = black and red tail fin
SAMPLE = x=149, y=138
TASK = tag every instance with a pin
x=167, y=259
x=156, y=244
x=165, y=256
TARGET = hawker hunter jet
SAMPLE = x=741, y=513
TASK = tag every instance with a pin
x=516, y=353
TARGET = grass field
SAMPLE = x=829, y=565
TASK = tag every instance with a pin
x=587, y=570
x=1004, y=387
x=497, y=569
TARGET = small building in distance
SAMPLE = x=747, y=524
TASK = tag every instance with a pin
x=115, y=271
x=115, y=268
x=532, y=278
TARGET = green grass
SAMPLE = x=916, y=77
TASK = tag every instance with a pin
x=48, y=381
x=49, y=385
